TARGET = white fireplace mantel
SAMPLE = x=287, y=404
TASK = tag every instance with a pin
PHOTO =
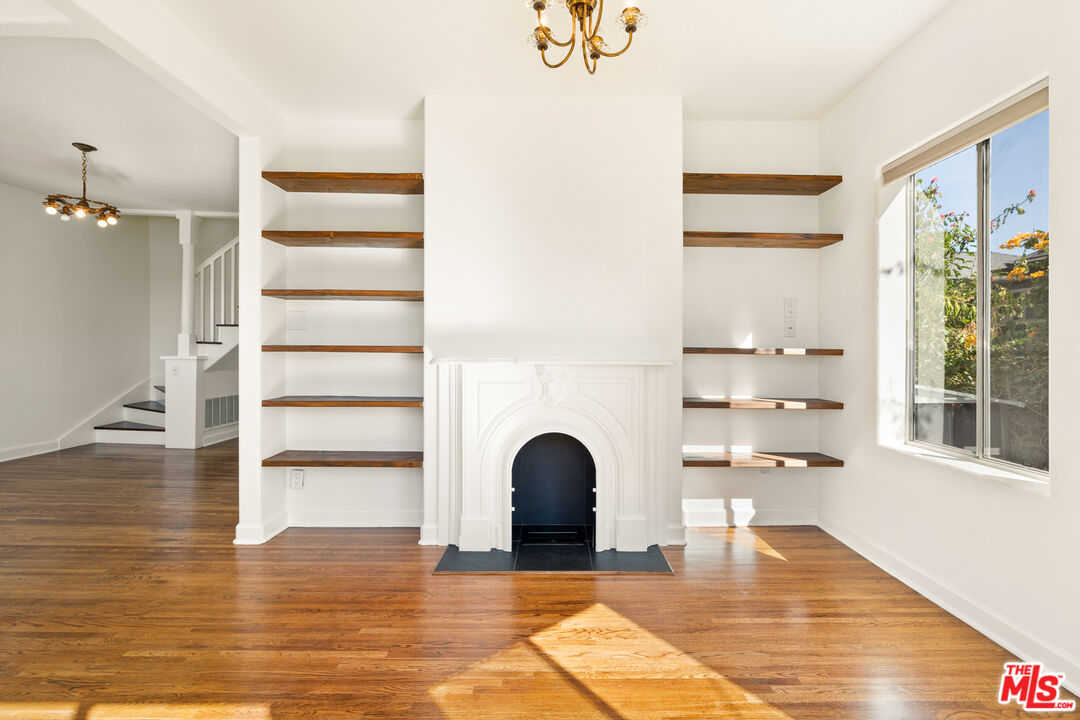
x=486, y=409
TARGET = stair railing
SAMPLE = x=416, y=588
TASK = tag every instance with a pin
x=216, y=284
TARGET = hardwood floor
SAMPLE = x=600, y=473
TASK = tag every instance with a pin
x=122, y=596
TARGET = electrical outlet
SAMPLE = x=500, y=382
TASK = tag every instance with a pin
x=790, y=308
x=789, y=327
x=296, y=479
x=764, y=471
x=176, y=372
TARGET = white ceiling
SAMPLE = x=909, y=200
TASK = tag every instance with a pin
x=729, y=59
x=155, y=150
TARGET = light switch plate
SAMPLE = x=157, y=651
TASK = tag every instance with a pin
x=296, y=479
x=790, y=308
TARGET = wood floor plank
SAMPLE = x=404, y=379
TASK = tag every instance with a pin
x=123, y=596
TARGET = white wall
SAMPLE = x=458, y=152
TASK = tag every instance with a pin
x=998, y=555
x=74, y=319
x=553, y=228
x=164, y=306
x=734, y=298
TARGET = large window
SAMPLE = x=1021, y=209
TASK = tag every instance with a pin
x=979, y=362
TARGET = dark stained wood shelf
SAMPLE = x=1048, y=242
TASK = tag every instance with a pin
x=337, y=182
x=343, y=401
x=346, y=238
x=345, y=458
x=763, y=403
x=760, y=351
x=764, y=459
x=384, y=295
x=345, y=348
x=734, y=184
x=801, y=241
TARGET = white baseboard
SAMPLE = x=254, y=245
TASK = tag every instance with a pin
x=1004, y=632
x=221, y=433
x=676, y=535
x=738, y=517
x=429, y=534
x=21, y=451
x=332, y=517
x=256, y=534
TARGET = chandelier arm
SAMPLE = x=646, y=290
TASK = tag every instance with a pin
x=549, y=36
x=629, y=40
x=594, y=26
x=562, y=62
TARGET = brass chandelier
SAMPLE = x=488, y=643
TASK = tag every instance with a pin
x=68, y=206
x=585, y=17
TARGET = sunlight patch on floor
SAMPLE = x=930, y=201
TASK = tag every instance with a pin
x=596, y=664
x=743, y=537
x=38, y=711
x=179, y=711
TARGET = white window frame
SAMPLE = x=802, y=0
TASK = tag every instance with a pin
x=1028, y=103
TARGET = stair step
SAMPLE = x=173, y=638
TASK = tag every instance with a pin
x=160, y=387
x=345, y=458
x=762, y=459
x=148, y=405
x=129, y=425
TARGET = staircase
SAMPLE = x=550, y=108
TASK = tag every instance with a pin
x=218, y=335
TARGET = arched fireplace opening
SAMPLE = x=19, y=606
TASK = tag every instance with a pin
x=554, y=499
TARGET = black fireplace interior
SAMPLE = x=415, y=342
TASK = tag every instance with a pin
x=554, y=518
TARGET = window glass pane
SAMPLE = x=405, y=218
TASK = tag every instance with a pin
x=945, y=273
x=1019, y=302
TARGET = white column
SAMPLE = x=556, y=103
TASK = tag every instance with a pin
x=185, y=344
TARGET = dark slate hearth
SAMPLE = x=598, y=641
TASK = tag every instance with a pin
x=553, y=549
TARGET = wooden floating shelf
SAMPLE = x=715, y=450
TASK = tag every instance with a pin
x=760, y=351
x=345, y=348
x=730, y=184
x=765, y=459
x=343, y=401
x=345, y=458
x=763, y=403
x=336, y=182
x=383, y=295
x=800, y=241
x=346, y=238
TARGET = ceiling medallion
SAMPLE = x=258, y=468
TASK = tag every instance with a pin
x=67, y=206
x=585, y=16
